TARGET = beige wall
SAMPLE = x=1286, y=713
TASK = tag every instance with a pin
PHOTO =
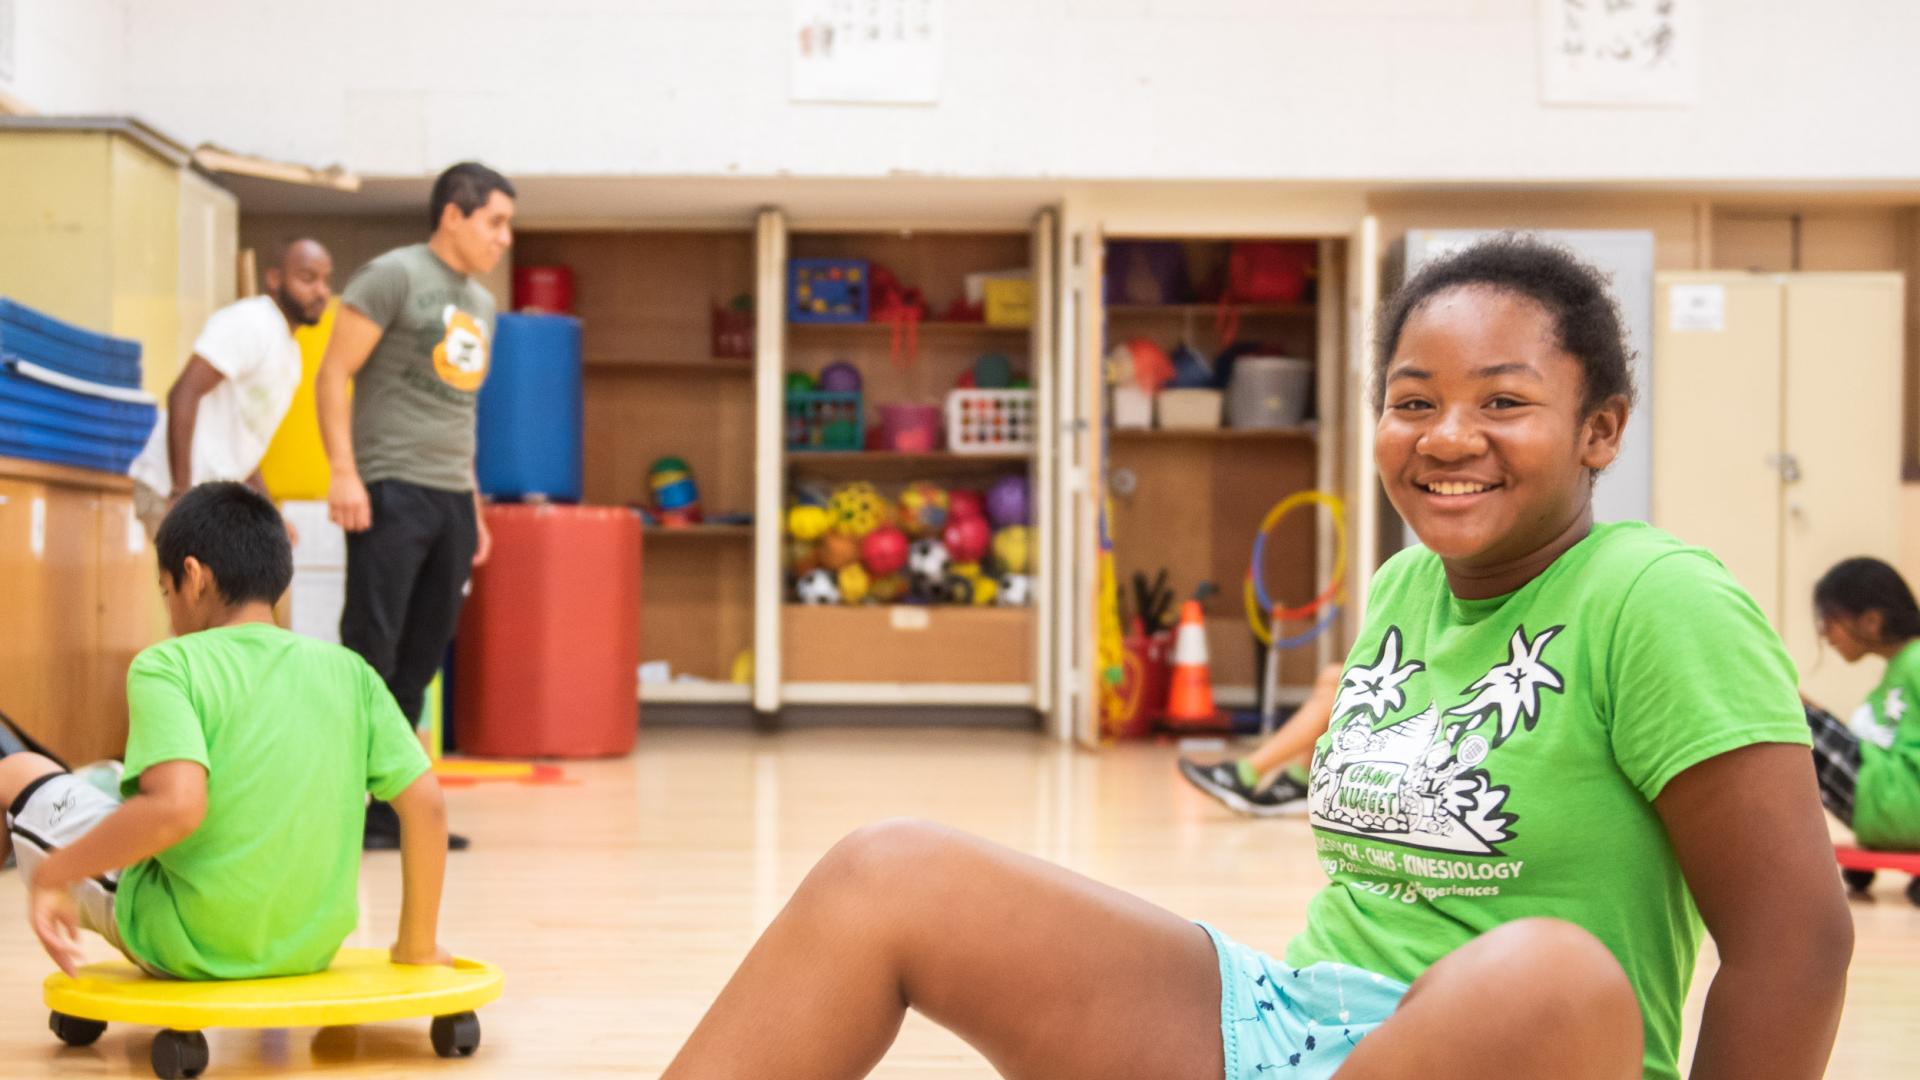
x=353, y=241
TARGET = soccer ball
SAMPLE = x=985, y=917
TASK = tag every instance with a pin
x=818, y=587
x=1016, y=590
x=927, y=560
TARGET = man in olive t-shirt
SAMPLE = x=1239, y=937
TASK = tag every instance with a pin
x=414, y=335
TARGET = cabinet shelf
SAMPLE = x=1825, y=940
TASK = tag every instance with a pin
x=698, y=532
x=1225, y=434
x=612, y=366
x=883, y=329
x=1245, y=311
x=896, y=465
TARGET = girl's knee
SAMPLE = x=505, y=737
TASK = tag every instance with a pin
x=884, y=857
x=1567, y=976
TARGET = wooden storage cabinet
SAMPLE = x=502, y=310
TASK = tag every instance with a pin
x=897, y=654
x=654, y=388
x=79, y=576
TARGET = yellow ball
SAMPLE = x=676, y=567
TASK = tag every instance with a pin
x=808, y=522
x=984, y=590
x=1013, y=547
x=858, y=509
x=854, y=583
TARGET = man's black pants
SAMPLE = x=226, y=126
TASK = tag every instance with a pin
x=406, y=579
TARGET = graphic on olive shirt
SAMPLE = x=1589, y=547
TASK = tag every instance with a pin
x=1411, y=778
x=460, y=358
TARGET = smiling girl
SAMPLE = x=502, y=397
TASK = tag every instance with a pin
x=1559, y=753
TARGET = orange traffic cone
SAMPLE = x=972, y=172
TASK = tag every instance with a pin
x=1190, y=700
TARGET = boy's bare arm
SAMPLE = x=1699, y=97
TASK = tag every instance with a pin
x=170, y=804
x=423, y=870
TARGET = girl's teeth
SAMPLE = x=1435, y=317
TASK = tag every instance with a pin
x=1457, y=489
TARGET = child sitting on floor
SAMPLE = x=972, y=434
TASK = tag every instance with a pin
x=250, y=753
x=1869, y=767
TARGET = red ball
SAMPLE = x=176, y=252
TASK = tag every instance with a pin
x=966, y=504
x=884, y=551
x=967, y=538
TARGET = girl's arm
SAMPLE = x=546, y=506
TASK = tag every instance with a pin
x=1747, y=829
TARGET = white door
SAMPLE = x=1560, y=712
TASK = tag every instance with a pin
x=1363, y=482
x=1842, y=455
x=1075, y=480
x=1719, y=372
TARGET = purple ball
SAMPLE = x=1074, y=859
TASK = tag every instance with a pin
x=840, y=378
x=1007, y=502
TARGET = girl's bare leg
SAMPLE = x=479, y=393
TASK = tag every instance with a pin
x=1050, y=975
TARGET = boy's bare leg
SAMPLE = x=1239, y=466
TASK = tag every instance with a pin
x=1050, y=975
x=1536, y=998
x=1294, y=741
x=16, y=772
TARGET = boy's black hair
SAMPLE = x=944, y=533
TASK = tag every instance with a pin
x=236, y=533
x=468, y=186
x=1585, y=322
x=1859, y=585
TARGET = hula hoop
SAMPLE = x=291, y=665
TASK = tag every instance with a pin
x=1325, y=604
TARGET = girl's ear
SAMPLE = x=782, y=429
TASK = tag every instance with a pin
x=1601, y=431
x=1873, y=625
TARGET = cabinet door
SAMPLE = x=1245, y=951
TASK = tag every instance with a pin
x=127, y=590
x=1076, y=480
x=769, y=413
x=1041, y=345
x=1717, y=434
x=1843, y=373
x=26, y=646
x=70, y=606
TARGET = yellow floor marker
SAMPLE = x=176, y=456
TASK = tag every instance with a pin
x=362, y=987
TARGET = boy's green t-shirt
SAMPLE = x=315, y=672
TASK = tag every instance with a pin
x=294, y=733
x=1493, y=760
x=1886, y=802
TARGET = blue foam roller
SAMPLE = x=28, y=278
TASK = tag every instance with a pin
x=529, y=410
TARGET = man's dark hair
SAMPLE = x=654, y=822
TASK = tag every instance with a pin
x=235, y=533
x=1586, y=324
x=1862, y=584
x=468, y=186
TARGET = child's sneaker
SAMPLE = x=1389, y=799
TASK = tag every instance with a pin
x=1283, y=797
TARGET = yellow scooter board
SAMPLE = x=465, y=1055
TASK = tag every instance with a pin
x=362, y=987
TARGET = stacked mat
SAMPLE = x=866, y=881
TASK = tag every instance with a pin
x=69, y=396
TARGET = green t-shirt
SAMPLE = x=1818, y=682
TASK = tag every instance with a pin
x=1886, y=803
x=1491, y=760
x=293, y=733
x=414, y=401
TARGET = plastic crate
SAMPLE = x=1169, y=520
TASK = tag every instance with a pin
x=990, y=421
x=825, y=420
x=827, y=290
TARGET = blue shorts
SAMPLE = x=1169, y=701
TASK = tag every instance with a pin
x=1296, y=1023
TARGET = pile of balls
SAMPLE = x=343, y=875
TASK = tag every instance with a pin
x=931, y=545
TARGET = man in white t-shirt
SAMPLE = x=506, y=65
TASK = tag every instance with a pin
x=230, y=398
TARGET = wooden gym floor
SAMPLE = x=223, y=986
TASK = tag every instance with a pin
x=619, y=901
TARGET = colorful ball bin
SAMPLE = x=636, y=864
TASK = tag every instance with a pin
x=1013, y=549
x=966, y=538
x=676, y=501
x=840, y=378
x=927, y=560
x=854, y=583
x=923, y=508
x=963, y=503
x=884, y=551
x=1007, y=502
x=808, y=522
x=818, y=587
x=838, y=551
x=858, y=509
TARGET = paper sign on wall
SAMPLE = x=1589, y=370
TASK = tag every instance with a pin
x=1619, y=52
x=1697, y=308
x=868, y=51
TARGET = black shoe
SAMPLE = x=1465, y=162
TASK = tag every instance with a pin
x=383, y=831
x=1285, y=796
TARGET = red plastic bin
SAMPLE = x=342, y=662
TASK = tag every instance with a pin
x=548, y=654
